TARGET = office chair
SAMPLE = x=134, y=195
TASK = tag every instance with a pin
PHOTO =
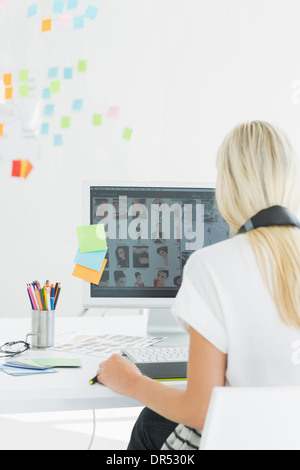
x=266, y=418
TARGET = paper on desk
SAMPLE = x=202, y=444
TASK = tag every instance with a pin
x=18, y=371
x=44, y=363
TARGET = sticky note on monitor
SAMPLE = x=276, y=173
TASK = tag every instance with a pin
x=89, y=275
x=91, y=238
x=93, y=260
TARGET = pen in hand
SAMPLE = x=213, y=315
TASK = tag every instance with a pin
x=94, y=380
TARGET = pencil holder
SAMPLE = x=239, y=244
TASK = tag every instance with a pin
x=42, y=329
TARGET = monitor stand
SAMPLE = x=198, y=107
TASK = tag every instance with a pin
x=161, y=322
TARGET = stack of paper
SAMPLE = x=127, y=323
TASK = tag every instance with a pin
x=90, y=259
x=37, y=366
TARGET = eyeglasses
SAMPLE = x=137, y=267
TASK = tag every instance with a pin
x=13, y=348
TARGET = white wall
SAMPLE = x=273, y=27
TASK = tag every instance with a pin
x=182, y=72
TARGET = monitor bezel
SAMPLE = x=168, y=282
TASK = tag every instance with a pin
x=129, y=302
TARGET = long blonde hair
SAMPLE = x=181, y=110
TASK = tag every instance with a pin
x=257, y=169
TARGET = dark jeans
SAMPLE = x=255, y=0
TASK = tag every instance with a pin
x=150, y=431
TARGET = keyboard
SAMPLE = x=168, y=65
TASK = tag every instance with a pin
x=160, y=363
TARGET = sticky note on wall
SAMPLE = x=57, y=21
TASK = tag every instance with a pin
x=1, y=130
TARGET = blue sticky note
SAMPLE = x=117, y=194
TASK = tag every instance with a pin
x=58, y=6
x=45, y=128
x=77, y=105
x=72, y=4
x=78, y=22
x=46, y=93
x=58, y=140
x=92, y=260
x=68, y=72
x=91, y=12
x=49, y=109
x=53, y=72
x=32, y=10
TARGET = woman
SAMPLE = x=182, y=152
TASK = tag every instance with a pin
x=239, y=300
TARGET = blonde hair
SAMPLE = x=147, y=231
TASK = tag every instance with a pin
x=257, y=169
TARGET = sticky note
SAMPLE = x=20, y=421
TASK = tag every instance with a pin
x=24, y=91
x=16, y=168
x=93, y=260
x=7, y=79
x=55, y=362
x=55, y=86
x=58, y=6
x=71, y=4
x=53, y=72
x=46, y=93
x=68, y=73
x=78, y=22
x=32, y=10
x=91, y=12
x=45, y=128
x=27, y=169
x=46, y=25
x=8, y=93
x=58, y=140
x=1, y=130
x=23, y=75
x=82, y=65
x=113, y=112
x=23, y=168
x=97, y=120
x=127, y=133
x=65, y=122
x=91, y=238
x=49, y=109
x=86, y=274
x=77, y=105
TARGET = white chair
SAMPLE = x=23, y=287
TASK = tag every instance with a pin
x=253, y=419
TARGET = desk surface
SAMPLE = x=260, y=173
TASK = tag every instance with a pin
x=68, y=389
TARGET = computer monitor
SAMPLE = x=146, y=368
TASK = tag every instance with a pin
x=151, y=231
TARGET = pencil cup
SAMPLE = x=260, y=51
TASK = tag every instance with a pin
x=42, y=329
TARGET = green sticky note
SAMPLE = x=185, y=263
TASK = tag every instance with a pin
x=58, y=362
x=97, y=120
x=23, y=75
x=91, y=238
x=127, y=133
x=82, y=66
x=65, y=122
x=24, y=91
x=55, y=86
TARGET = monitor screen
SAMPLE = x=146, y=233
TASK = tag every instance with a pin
x=151, y=232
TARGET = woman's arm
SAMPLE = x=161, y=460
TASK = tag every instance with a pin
x=206, y=370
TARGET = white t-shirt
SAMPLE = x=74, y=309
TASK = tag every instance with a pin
x=224, y=297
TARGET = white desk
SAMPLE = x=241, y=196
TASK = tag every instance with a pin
x=68, y=389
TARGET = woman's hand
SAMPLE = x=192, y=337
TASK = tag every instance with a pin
x=118, y=374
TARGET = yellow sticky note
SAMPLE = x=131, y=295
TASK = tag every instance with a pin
x=7, y=79
x=23, y=168
x=1, y=130
x=86, y=274
x=46, y=25
x=8, y=93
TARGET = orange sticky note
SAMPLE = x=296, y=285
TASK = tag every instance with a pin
x=27, y=170
x=7, y=79
x=8, y=93
x=86, y=274
x=46, y=25
x=1, y=130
